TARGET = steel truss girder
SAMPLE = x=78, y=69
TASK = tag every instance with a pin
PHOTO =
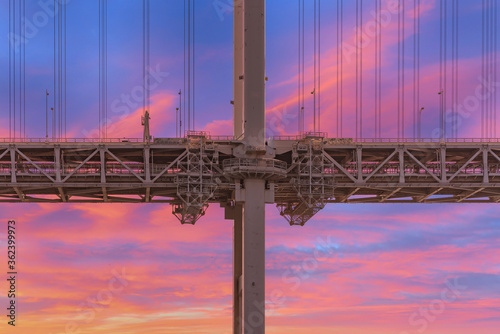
x=158, y=173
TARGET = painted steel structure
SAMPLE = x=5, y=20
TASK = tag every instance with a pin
x=192, y=172
x=243, y=172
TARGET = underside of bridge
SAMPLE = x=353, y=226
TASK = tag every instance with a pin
x=305, y=173
x=243, y=172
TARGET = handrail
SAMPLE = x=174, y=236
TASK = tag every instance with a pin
x=278, y=137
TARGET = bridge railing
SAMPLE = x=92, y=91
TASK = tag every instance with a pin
x=426, y=140
x=71, y=140
x=279, y=137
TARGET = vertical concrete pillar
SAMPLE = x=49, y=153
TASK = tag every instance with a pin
x=237, y=267
x=249, y=120
x=253, y=277
x=238, y=68
x=254, y=52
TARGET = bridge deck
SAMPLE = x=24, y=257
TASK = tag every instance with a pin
x=128, y=170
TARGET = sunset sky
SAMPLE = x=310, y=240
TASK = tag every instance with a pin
x=354, y=268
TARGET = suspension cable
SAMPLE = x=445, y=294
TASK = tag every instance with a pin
x=337, y=71
x=106, y=69
x=495, y=71
x=303, y=65
x=20, y=76
x=100, y=68
x=144, y=80
x=487, y=67
x=65, y=72
x=315, y=65
x=361, y=69
x=418, y=70
x=403, y=72
x=319, y=65
x=185, y=67
x=483, y=66
x=399, y=70
x=445, y=66
x=457, y=64
x=380, y=70
x=376, y=71
x=492, y=66
x=357, y=68
x=341, y=68
x=452, y=67
x=15, y=71
x=194, y=64
x=189, y=65
x=10, y=71
x=299, y=68
x=148, y=53
x=24, y=69
x=59, y=72
x=441, y=77
x=414, y=68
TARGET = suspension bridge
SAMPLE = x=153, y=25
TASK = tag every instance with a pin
x=243, y=172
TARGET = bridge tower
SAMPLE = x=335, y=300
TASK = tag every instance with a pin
x=248, y=208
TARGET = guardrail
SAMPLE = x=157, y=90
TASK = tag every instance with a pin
x=248, y=162
x=232, y=138
x=426, y=140
x=71, y=140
